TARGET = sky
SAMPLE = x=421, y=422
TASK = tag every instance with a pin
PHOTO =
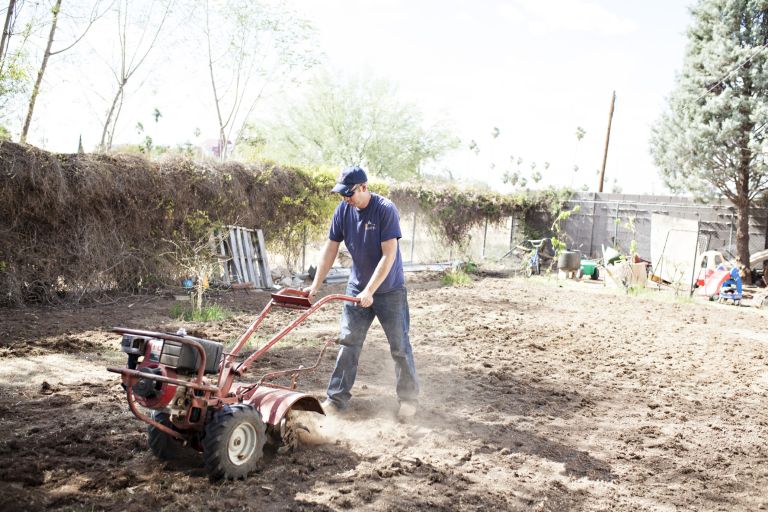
x=534, y=69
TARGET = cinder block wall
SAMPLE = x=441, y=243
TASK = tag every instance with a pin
x=603, y=220
x=593, y=226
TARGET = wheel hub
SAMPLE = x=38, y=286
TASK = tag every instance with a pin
x=242, y=443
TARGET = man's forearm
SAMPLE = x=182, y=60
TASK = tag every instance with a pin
x=380, y=273
x=389, y=252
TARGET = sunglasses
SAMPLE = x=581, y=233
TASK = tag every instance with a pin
x=352, y=191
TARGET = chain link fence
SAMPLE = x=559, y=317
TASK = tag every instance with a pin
x=603, y=220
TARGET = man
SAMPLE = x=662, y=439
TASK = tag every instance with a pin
x=369, y=225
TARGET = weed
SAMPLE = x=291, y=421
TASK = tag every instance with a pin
x=456, y=277
x=205, y=314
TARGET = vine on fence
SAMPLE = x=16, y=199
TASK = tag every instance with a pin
x=80, y=225
x=454, y=212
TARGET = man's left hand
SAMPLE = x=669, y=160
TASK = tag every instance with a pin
x=366, y=298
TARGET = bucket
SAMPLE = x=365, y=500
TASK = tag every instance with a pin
x=569, y=261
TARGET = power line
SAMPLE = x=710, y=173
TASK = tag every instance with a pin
x=740, y=65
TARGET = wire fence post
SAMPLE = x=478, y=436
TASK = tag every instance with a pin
x=413, y=235
x=592, y=227
x=511, y=232
x=485, y=237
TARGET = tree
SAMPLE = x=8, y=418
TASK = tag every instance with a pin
x=10, y=15
x=250, y=45
x=48, y=53
x=145, y=26
x=711, y=140
x=13, y=76
x=356, y=122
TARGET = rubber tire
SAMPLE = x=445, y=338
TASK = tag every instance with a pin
x=528, y=269
x=595, y=275
x=163, y=446
x=235, y=420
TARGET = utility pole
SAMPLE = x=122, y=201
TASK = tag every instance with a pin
x=607, y=139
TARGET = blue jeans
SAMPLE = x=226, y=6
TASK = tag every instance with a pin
x=391, y=308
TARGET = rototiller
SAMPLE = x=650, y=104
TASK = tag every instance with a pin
x=189, y=384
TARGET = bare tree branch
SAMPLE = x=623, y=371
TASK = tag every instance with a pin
x=128, y=66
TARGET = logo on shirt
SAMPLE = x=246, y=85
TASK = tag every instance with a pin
x=369, y=226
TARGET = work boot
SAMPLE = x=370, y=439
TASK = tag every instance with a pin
x=407, y=410
x=330, y=407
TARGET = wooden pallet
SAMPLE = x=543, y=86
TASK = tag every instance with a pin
x=243, y=257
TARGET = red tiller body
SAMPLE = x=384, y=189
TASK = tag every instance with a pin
x=154, y=384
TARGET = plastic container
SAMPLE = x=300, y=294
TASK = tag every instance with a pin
x=568, y=261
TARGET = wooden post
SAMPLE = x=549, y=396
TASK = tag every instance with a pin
x=248, y=249
x=263, y=262
x=233, y=246
x=607, y=139
x=695, y=258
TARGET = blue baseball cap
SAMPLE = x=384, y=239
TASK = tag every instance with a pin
x=348, y=178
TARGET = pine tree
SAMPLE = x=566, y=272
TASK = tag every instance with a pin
x=711, y=141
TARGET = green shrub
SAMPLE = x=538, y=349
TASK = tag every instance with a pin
x=205, y=314
x=456, y=277
x=453, y=212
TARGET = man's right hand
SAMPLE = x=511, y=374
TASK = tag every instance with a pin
x=311, y=292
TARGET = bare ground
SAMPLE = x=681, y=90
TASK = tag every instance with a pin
x=537, y=395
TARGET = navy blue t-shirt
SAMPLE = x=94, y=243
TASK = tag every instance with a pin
x=363, y=231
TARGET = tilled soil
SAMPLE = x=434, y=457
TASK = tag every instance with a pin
x=537, y=395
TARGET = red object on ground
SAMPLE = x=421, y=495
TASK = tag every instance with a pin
x=714, y=281
x=704, y=275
